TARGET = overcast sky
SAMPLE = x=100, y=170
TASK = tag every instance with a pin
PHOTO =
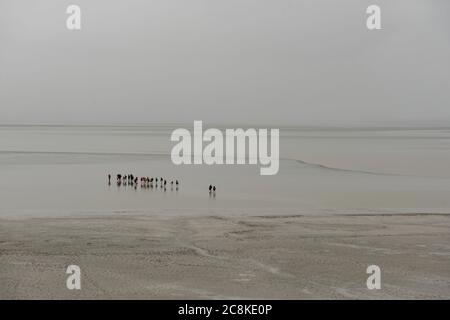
x=250, y=61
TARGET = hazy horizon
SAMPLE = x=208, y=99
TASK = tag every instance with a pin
x=307, y=63
x=318, y=126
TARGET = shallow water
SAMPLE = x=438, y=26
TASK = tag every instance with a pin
x=60, y=170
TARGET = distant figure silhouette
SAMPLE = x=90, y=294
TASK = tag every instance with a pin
x=109, y=179
x=214, y=189
x=210, y=188
x=176, y=182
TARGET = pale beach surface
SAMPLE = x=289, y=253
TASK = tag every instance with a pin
x=343, y=199
x=218, y=257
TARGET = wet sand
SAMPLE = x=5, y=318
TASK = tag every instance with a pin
x=214, y=257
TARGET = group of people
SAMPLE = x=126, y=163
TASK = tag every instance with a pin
x=146, y=182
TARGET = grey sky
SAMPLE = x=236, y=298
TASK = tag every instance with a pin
x=254, y=61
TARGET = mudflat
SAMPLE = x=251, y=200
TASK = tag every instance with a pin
x=226, y=257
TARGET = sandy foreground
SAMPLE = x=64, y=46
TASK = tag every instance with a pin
x=217, y=257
